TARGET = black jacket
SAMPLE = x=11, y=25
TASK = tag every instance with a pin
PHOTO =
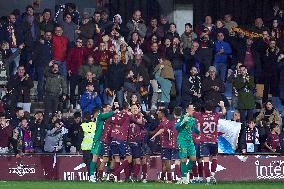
x=176, y=58
x=42, y=55
x=115, y=76
x=21, y=88
x=209, y=93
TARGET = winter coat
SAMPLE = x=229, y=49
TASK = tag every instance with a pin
x=141, y=26
x=115, y=76
x=176, y=57
x=59, y=47
x=87, y=31
x=21, y=88
x=222, y=58
x=274, y=117
x=191, y=85
x=166, y=86
x=54, y=137
x=281, y=79
x=210, y=94
x=95, y=69
x=246, y=98
x=167, y=72
x=55, y=84
x=75, y=58
x=89, y=102
x=42, y=55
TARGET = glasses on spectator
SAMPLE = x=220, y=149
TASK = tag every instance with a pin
x=79, y=41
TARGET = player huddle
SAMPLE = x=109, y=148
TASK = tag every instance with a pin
x=119, y=143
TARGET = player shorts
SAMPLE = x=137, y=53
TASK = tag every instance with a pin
x=105, y=150
x=208, y=149
x=96, y=148
x=169, y=154
x=186, y=150
x=120, y=148
x=136, y=149
x=197, y=149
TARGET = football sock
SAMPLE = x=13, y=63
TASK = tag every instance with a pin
x=93, y=166
x=183, y=169
x=213, y=165
x=144, y=171
x=169, y=176
x=189, y=165
x=136, y=170
x=177, y=171
x=200, y=169
x=163, y=175
x=194, y=170
x=206, y=169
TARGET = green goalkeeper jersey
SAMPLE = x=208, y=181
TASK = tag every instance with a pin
x=185, y=125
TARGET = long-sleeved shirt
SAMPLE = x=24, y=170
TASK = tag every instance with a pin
x=185, y=126
x=222, y=58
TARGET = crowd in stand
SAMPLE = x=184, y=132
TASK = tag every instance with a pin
x=83, y=62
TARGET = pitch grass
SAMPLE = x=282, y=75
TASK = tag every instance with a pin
x=86, y=185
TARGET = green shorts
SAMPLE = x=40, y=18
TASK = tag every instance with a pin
x=186, y=150
x=96, y=148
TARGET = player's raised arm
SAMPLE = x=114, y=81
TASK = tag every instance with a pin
x=222, y=106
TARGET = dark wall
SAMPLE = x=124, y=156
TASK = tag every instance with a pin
x=244, y=11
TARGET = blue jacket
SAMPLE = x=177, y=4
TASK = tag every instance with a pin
x=221, y=58
x=88, y=102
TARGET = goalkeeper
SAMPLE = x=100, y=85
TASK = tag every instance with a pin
x=185, y=125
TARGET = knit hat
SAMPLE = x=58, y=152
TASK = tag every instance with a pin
x=212, y=68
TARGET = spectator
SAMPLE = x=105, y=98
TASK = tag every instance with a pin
x=281, y=78
x=89, y=78
x=175, y=55
x=281, y=139
x=136, y=24
x=54, y=138
x=22, y=138
x=272, y=143
x=125, y=52
x=75, y=58
x=75, y=131
x=229, y=23
x=68, y=27
x=276, y=29
x=188, y=36
x=30, y=28
x=191, y=58
x=222, y=50
x=250, y=138
x=87, y=28
x=59, y=49
x=220, y=29
x=22, y=84
x=103, y=56
x=271, y=70
x=68, y=8
x=46, y=23
x=207, y=25
x=269, y=115
x=244, y=85
x=114, y=80
x=89, y=100
x=38, y=130
x=154, y=29
x=90, y=46
x=250, y=57
x=164, y=74
x=258, y=26
x=14, y=36
x=95, y=69
x=212, y=87
x=205, y=51
x=105, y=22
x=16, y=119
x=55, y=87
x=119, y=25
x=172, y=33
x=191, y=89
x=42, y=57
x=135, y=42
x=6, y=131
x=164, y=24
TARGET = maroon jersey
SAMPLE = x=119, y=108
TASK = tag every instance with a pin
x=208, y=126
x=121, y=122
x=106, y=135
x=169, y=136
x=135, y=133
x=273, y=140
x=196, y=137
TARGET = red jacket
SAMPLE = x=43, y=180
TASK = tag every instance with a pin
x=59, y=47
x=75, y=58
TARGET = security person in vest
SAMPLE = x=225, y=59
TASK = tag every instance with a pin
x=89, y=128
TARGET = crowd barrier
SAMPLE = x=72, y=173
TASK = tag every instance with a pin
x=69, y=167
